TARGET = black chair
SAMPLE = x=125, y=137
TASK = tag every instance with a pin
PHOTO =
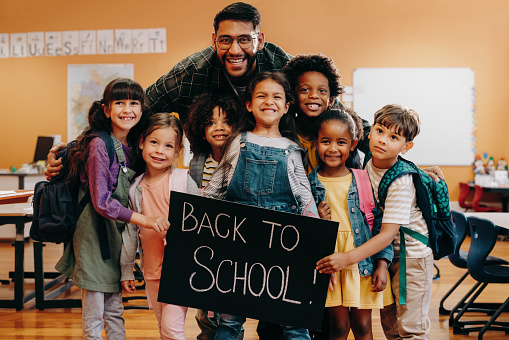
x=459, y=259
x=484, y=237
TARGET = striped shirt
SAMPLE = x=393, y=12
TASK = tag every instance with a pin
x=401, y=208
x=208, y=169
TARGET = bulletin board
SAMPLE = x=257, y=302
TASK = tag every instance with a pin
x=443, y=97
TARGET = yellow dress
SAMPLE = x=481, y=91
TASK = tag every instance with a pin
x=351, y=289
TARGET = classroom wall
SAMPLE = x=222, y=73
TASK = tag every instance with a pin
x=362, y=33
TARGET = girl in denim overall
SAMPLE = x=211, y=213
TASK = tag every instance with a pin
x=262, y=166
x=357, y=289
x=92, y=258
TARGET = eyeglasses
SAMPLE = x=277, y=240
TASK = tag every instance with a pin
x=245, y=41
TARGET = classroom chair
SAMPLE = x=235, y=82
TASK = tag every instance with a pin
x=464, y=192
x=477, y=198
x=459, y=259
x=484, y=237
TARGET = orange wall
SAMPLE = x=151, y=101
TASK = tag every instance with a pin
x=362, y=33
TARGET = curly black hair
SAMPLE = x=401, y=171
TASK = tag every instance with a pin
x=200, y=115
x=318, y=63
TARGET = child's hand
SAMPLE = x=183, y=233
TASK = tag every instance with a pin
x=332, y=263
x=158, y=223
x=324, y=210
x=332, y=282
x=128, y=286
x=54, y=165
x=379, y=278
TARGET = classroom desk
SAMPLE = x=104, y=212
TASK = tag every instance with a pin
x=503, y=190
x=19, y=196
x=500, y=219
x=43, y=300
x=22, y=177
x=18, y=214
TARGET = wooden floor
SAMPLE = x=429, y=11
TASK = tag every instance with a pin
x=141, y=324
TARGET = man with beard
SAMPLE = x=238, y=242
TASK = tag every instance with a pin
x=237, y=54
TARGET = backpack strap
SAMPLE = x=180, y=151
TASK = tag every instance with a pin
x=113, y=146
x=365, y=192
x=110, y=144
x=178, y=180
x=396, y=171
x=110, y=148
x=196, y=167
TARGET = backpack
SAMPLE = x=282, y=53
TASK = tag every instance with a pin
x=365, y=192
x=55, y=202
x=433, y=200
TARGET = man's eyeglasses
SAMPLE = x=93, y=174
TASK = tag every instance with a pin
x=225, y=42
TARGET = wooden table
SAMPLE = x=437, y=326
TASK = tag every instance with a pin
x=17, y=214
x=500, y=219
x=18, y=196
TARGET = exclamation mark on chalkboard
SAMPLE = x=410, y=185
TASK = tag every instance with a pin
x=314, y=282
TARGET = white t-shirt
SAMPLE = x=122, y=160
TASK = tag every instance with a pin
x=401, y=208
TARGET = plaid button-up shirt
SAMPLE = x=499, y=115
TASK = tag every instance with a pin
x=202, y=72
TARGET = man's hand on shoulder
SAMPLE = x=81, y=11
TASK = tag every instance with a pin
x=435, y=173
x=54, y=165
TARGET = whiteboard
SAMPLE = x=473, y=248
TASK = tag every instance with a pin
x=444, y=99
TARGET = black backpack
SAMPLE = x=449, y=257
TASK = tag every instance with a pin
x=55, y=202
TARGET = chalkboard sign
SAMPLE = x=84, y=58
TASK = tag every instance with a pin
x=443, y=97
x=242, y=260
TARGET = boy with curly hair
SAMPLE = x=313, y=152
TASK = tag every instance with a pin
x=212, y=119
x=316, y=86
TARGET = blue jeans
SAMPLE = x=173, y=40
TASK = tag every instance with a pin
x=230, y=325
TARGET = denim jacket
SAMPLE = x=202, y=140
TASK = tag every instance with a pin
x=360, y=227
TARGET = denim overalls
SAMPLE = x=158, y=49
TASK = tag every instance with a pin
x=261, y=180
